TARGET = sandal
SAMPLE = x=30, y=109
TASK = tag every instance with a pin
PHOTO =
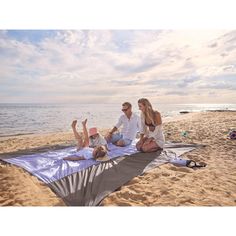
x=193, y=164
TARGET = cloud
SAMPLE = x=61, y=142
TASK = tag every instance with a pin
x=106, y=66
x=219, y=82
x=213, y=45
x=176, y=93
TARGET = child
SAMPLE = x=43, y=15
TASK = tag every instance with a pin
x=92, y=146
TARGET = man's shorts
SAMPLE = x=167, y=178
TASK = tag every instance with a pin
x=118, y=136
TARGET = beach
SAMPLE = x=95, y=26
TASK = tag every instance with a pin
x=166, y=185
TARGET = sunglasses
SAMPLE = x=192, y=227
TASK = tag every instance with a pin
x=125, y=109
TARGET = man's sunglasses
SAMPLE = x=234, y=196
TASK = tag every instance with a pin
x=125, y=109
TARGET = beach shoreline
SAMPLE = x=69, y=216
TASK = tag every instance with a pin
x=166, y=185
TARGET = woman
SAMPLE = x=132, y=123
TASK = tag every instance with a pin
x=93, y=145
x=151, y=134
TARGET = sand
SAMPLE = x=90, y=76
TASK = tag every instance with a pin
x=167, y=185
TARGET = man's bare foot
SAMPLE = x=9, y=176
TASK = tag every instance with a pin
x=84, y=122
x=73, y=125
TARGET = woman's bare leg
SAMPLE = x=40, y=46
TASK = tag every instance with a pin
x=140, y=143
x=150, y=146
x=76, y=134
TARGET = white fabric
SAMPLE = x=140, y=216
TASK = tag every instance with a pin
x=86, y=152
x=130, y=127
x=98, y=141
x=179, y=161
x=50, y=166
x=157, y=134
x=114, y=151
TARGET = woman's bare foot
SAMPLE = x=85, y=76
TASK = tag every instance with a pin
x=73, y=125
x=84, y=122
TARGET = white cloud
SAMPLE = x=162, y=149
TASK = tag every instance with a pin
x=110, y=65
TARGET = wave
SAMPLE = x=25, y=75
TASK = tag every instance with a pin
x=18, y=134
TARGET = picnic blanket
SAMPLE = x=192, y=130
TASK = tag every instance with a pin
x=87, y=182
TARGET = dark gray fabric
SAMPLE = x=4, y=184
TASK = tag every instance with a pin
x=29, y=151
x=89, y=186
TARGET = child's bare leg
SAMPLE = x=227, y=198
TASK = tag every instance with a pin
x=85, y=131
x=77, y=136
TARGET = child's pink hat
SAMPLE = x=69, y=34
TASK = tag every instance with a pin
x=93, y=131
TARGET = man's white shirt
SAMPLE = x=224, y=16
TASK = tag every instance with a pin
x=130, y=127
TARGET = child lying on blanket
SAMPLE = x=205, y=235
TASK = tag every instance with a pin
x=93, y=145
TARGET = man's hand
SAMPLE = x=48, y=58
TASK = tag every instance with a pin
x=108, y=136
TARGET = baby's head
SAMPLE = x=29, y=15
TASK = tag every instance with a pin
x=99, y=153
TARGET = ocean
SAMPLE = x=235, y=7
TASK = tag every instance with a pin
x=22, y=119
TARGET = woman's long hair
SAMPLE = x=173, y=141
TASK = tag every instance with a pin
x=149, y=113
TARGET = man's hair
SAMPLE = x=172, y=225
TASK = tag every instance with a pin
x=127, y=104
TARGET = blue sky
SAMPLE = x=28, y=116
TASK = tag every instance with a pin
x=33, y=36
x=97, y=66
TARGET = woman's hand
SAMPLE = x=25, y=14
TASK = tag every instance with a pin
x=141, y=140
x=149, y=140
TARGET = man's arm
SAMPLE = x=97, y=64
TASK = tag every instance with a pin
x=113, y=130
x=109, y=135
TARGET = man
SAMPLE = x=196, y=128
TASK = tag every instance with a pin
x=130, y=123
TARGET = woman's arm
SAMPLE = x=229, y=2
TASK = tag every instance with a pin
x=141, y=136
x=142, y=127
x=158, y=118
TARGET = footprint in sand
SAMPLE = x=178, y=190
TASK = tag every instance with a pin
x=181, y=169
x=133, y=181
x=133, y=196
x=164, y=192
x=184, y=201
x=175, y=179
x=123, y=203
x=165, y=174
x=8, y=202
x=181, y=175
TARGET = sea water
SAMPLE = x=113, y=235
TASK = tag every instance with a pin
x=22, y=119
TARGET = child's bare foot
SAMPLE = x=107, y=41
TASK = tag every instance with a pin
x=73, y=125
x=84, y=122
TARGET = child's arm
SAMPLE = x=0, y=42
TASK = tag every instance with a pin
x=106, y=146
x=73, y=158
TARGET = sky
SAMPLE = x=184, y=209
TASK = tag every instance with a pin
x=112, y=66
